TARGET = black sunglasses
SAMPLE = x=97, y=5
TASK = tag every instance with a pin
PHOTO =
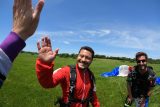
x=138, y=61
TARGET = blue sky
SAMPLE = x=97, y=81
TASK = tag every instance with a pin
x=110, y=27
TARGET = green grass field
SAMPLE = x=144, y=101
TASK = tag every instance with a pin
x=21, y=88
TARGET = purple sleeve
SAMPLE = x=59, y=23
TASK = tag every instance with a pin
x=12, y=45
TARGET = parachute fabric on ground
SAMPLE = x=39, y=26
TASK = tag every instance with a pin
x=157, y=80
x=122, y=70
x=114, y=72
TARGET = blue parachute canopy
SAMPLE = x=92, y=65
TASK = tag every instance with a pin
x=158, y=80
x=114, y=72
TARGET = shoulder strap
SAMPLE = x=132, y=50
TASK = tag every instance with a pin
x=150, y=69
x=92, y=86
x=133, y=73
x=151, y=76
x=71, y=88
x=92, y=76
x=72, y=81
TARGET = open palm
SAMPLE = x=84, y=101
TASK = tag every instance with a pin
x=26, y=17
x=45, y=52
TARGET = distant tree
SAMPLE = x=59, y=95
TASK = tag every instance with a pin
x=73, y=55
x=100, y=56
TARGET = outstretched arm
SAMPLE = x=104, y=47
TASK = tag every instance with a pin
x=44, y=63
x=25, y=22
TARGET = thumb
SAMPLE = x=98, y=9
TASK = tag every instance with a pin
x=55, y=52
x=38, y=8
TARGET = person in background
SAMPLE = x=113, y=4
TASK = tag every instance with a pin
x=140, y=81
x=25, y=22
x=78, y=94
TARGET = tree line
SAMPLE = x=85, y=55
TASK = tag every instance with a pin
x=66, y=55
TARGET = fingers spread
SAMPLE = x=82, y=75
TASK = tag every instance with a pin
x=48, y=41
x=38, y=46
x=43, y=42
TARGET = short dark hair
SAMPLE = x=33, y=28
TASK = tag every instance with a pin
x=138, y=54
x=88, y=49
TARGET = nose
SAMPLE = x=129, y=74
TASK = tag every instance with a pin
x=140, y=62
x=83, y=58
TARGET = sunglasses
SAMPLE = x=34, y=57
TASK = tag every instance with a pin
x=138, y=61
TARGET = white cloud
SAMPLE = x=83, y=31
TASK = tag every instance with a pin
x=98, y=33
x=139, y=38
x=66, y=42
x=44, y=33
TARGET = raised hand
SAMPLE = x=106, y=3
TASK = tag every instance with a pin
x=25, y=17
x=45, y=52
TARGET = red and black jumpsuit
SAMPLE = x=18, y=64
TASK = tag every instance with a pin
x=50, y=79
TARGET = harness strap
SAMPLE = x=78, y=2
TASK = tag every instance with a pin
x=72, y=86
x=72, y=81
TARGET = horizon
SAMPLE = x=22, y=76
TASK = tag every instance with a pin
x=94, y=55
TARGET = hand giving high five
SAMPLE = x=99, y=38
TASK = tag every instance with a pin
x=45, y=52
x=25, y=17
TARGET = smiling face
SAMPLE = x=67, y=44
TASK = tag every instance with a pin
x=142, y=62
x=84, y=59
